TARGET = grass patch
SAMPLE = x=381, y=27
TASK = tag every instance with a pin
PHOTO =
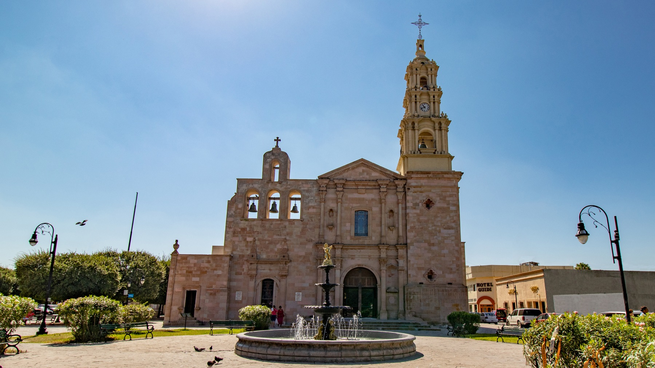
x=492, y=337
x=67, y=337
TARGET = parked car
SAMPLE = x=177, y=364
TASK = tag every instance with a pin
x=501, y=314
x=636, y=313
x=522, y=317
x=488, y=317
x=545, y=316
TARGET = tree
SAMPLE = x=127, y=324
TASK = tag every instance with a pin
x=8, y=281
x=12, y=310
x=582, y=266
x=142, y=271
x=75, y=275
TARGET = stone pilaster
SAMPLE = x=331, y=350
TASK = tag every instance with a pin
x=383, y=281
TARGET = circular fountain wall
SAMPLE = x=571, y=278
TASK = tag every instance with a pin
x=277, y=345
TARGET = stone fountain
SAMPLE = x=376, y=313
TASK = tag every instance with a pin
x=325, y=347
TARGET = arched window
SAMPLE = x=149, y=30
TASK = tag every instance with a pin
x=361, y=223
x=273, y=210
x=424, y=83
x=275, y=172
x=295, y=206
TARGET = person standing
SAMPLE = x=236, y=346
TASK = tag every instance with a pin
x=280, y=316
x=273, y=315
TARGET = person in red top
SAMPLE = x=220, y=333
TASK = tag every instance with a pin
x=280, y=316
x=273, y=315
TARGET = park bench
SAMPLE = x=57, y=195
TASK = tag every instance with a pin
x=509, y=331
x=230, y=325
x=128, y=327
x=8, y=340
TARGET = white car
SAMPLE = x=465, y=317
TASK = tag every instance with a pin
x=488, y=317
x=523, y=317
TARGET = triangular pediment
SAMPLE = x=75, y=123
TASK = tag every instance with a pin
x=361, y=170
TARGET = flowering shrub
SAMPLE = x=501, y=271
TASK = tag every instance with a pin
x=260, y=314
x=84, y=316
x=570, y=340
x=136, y=313
x=13, y=309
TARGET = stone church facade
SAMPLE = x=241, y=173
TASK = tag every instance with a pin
x=396, y=235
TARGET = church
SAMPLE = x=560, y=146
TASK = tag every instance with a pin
x=396, y=235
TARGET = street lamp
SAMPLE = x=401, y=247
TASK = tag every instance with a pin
x=43, y=229
x=583, y=235
x=516, y=296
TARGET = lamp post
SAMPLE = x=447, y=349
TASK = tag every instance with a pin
x=43, y=229
x=516, y=296
x=583, y=235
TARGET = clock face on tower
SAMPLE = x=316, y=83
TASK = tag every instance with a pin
x=424, y=107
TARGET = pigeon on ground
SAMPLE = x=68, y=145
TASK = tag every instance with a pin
x=218, y=359
x=211, y=347
x=210, y=363
x=198, y=349
x=81, y=223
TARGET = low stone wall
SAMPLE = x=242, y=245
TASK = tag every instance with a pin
x=277, y=345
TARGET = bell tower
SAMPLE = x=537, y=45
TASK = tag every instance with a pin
x=423, y=130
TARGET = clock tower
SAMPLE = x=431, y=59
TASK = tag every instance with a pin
x=423, y=130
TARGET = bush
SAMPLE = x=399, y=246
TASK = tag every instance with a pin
x=13, y=309
x=260, y=314
x=464, y=323
x=84, y=316
x=136, y=313
x=570, y=340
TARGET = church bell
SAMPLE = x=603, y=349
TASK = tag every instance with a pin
x=252, y=208
x=294, y=209
x=422, y=145
x=274, y=207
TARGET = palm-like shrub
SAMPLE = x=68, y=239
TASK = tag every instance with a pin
x=259, y=314
x=85, y=315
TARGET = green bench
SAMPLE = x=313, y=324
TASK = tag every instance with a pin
x=128, y=329
x=230, y=325
x=509, y=331
x=8, y=340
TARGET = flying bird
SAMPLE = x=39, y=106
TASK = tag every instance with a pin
x=210, y=363
x=218, y=359
x=198, y=349
x=81, y=223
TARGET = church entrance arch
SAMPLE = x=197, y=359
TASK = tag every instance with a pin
x=360, y=292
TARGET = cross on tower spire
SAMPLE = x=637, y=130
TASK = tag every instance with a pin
x=420, y=23
x=277, y=140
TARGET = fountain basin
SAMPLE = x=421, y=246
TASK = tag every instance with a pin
x=277, y=346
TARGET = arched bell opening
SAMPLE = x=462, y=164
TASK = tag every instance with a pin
x=252, y=204
x=426, y=141
x=273, y=210
x=295, y=205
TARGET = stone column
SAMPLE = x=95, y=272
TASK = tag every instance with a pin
x=338, y=297
x=400, y=192
x=383, y=210
x=383, y=281
x=168, y=307
x=322, y=192
x=402, y=279
x=339, y=199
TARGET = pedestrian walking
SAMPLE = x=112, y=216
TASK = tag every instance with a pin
x=273, y=315
x=280, y=316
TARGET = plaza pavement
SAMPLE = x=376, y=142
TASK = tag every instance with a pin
x=434, y=349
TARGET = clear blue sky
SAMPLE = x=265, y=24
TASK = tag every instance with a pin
x=551, y=106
